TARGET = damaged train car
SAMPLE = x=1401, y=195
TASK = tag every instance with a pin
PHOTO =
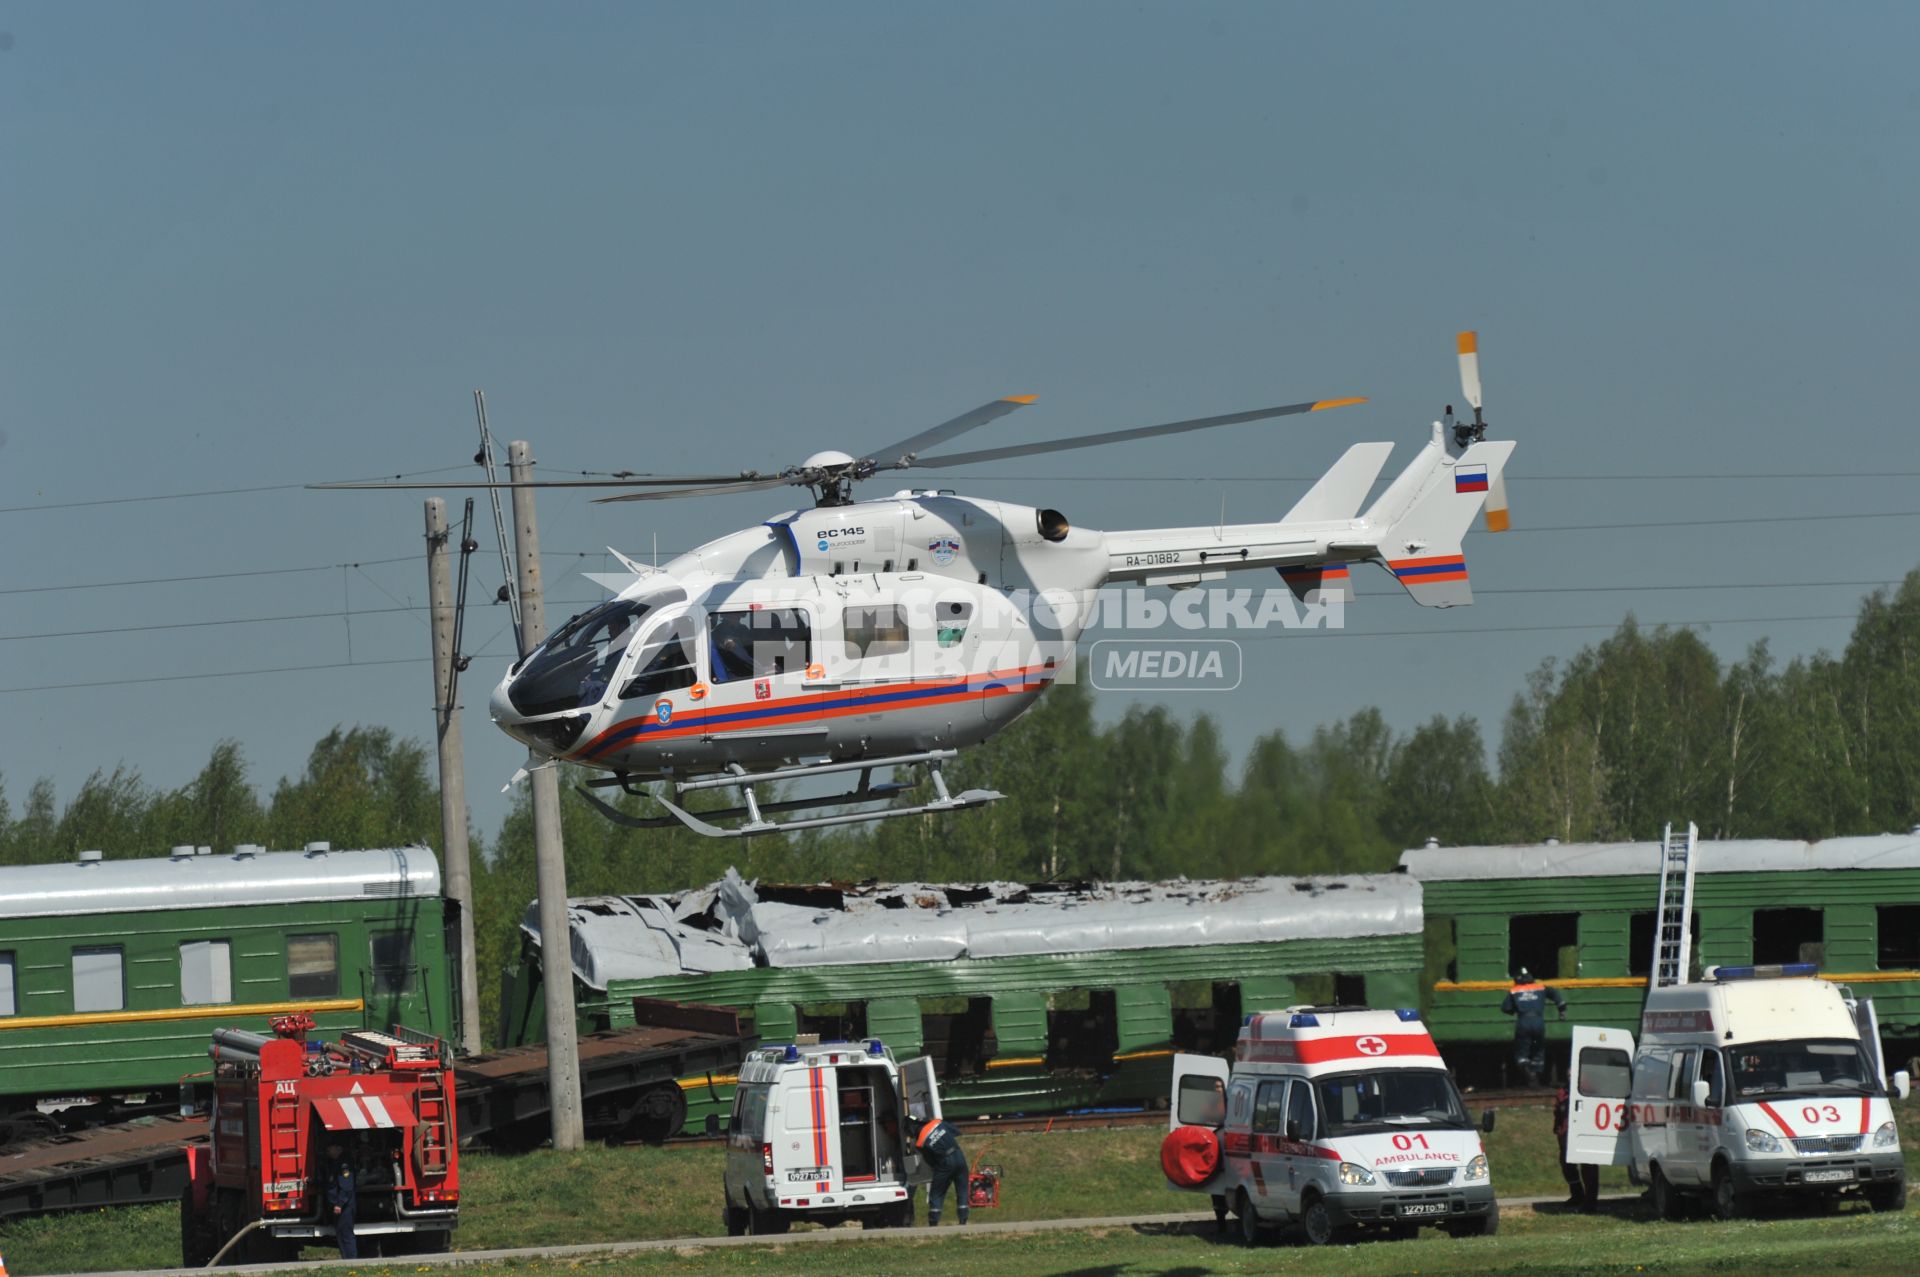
x=1030, y=998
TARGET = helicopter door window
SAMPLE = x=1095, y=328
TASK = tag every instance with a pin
x=759, y=644
x=670, y=669
x=950, y=623
x=876, y=631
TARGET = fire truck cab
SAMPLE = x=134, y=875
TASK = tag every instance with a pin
x=258, y=1191
x=1330, y=1118
x=817, y=1134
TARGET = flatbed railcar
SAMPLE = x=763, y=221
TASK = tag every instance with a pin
x=1580, y=917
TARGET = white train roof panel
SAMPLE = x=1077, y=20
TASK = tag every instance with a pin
x=198, y=881
x=1619, y=859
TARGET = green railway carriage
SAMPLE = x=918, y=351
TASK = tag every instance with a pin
x=114, y=972
x=1029, y=999
x=1580, y=917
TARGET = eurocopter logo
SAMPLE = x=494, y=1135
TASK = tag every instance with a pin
x=943, y=550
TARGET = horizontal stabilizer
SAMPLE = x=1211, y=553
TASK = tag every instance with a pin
x=1319, y=582
x=1342, y=489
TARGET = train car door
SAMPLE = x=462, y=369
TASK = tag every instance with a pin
x=1597, y=1096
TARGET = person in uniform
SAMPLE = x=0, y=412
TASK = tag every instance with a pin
x=343, y=1195
x=939, y=1143
x=1527, y=1001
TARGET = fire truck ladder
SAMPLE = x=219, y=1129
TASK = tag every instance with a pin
x=432, y=1143
x=1672, y=937
x=283, y=1143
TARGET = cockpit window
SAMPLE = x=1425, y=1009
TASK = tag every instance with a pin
x=670, y=669
x=574, y=666
x=758, y=644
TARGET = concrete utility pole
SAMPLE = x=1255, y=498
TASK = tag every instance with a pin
x=453, y=778
x=556, y=934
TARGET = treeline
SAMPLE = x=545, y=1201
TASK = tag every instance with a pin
x=1642, y=727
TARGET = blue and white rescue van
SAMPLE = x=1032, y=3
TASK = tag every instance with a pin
x=817, y=1133
x=1755, y=1081
x=1330, y=1118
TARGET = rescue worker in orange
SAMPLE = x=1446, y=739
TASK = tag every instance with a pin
x=939, y=1143
x=1527, y=1002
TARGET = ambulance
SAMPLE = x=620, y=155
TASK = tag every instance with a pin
x=1329, y=1118
x=1756, y=1081
x=817, y=1134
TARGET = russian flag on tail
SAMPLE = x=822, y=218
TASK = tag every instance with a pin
x=1470, y=478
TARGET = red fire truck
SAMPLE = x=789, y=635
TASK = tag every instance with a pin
x=259, y=1189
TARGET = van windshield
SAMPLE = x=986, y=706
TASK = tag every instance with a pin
x=1354, y=1103
x=1815, y=1066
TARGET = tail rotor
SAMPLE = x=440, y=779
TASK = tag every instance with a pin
x=1465, y=433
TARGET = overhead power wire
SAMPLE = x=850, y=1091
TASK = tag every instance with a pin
x=228, y=576
x=207, y=492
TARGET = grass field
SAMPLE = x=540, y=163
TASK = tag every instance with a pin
x=601, y=1194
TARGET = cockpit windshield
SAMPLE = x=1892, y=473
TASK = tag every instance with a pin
x=573, y=667
x=1354, y=1103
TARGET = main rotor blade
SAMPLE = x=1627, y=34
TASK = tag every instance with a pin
x=1121, y=436
x=894, y=453
x=678, y=481
x=714, y=490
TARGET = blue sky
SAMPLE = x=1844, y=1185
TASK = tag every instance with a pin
x=264, y=245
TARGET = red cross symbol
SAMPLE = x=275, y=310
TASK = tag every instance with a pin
x=1371, y=1046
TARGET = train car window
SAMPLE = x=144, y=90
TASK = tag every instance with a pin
x=206, y=972
x=1536, y=941
x=392, y=962
x=1640, y=941
x=100, y=979
x=1268, y=1105
x=1605, y=1071
x=958, y=1034
x=759, y=644
x=313, y=966
x=7, y=1004
x=876, y=631
x=1789, y=935
x=1083, y=1029
x=1899, y=937
x=833, y=1021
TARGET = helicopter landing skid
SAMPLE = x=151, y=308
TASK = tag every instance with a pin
x=755, y=812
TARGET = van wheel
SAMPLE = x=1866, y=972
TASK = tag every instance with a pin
x=1725, y=1203
x=1484, y=1226
x=1316, y=1222
x=735, y=1220
x=1251, y=1233
x=1666, y=1202
x=764, y=1223
x=1888, y=1197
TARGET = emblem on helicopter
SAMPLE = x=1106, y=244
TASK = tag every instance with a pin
x=663, y=710
x=943, y=550
x=762, y=689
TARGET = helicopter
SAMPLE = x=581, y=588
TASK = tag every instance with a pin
x=861, y=635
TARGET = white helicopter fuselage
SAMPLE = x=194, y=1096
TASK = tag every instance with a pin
x=927, y=620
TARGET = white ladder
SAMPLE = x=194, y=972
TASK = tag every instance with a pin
x=1673, y=925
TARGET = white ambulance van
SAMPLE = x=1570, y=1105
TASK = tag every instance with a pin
x=1331, y=1118
x=816, y=1133
x=1755, y=1081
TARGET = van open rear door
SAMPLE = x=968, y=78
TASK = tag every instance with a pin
x=1199, y=1092
x=1602, y=1077
x=922, y=1091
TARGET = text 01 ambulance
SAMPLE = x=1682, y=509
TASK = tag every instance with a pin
x=818, y=1133
x=1330, y=1117
x=1754, y=1081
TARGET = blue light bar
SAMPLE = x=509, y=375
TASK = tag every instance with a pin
x=1772, y=971
x=792, y=1053
x=1407, y=1013
x=1302, y=1020
x=874, y=1047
